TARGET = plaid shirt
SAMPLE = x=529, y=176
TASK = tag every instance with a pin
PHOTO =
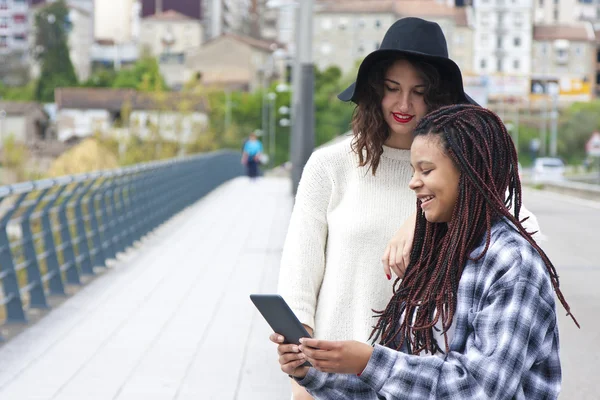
x=505, y=343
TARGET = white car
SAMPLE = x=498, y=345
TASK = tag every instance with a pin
x=548, y=169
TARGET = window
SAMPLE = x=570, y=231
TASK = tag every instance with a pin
x=518, y=20
x=541, y=3
x=483, y=64
x=378, y=24
x=499, y=65
x=499, y=42
x=517, y=42
x=3, y=4
x=19, y=18
x=556, y=15
x=343, y=24
x=3, y=41
x=516, y=65
x=377, y=44
x=3, y=22
x=578, y=50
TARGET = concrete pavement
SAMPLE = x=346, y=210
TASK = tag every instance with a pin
x=572, y=230
x=172, y=320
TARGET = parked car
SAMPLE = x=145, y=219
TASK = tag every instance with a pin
x=548, y=169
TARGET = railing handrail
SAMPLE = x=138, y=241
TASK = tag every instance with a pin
x=64, y=227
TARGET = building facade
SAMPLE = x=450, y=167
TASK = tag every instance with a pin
x=225, y=16
x=117, y=20
x=14, y=26
x=345, y=32
x=564, y=56
x=565, y=12
x=170, y=34
x=502, y=47
x=235, y=62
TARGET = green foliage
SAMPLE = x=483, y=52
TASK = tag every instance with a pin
x=332, y=116
x=103, y=77
x=144, y=75
x=52, y=52
x=20, y=93
x=580, y=120
x=14, y=157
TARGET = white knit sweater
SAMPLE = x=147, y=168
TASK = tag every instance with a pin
x=331, y=271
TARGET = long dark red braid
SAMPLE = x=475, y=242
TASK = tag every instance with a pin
x=478, y=143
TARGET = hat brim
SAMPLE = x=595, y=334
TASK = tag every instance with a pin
x=448, y=69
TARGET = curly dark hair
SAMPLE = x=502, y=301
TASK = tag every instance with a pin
x=368, y=123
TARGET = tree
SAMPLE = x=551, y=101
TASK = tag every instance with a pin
x=144, y=75
x=102, y=77
x=52, y=26
x=580, y=121
x=332, y=116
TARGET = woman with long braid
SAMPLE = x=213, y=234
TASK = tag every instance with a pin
x=474, y=316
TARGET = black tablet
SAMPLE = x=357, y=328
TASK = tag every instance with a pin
x=280, y=317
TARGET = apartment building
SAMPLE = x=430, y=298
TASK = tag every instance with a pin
x=565, y=12
x=502, y=47
x=564, y=56
x=225, y=16
x=345, y=32
x=117, y=21
x=14, y=26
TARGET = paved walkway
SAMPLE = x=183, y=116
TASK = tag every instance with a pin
x=171, y=320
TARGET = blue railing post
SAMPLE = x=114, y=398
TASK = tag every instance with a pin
x=106, y=219
x=96, y=233
x=34, y=277
x=128, y=202
x=85, y=255
x=120, y=212
x=10, y=283
x=55, y=282
x=71, y=266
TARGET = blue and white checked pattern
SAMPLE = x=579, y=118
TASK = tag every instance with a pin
x=505, y=343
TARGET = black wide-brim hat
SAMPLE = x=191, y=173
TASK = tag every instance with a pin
x=417, y=39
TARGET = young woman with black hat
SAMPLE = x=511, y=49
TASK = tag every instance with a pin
x=353, y=195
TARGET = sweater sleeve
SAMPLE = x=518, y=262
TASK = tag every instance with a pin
x=303, y=257
x=530, y=223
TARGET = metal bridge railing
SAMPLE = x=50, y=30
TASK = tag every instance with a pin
x=54, y=231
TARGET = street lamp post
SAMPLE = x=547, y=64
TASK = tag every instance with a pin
x=303, y=124
x=272, y=97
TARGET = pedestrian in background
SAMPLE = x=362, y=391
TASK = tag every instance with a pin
x=251, y=155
